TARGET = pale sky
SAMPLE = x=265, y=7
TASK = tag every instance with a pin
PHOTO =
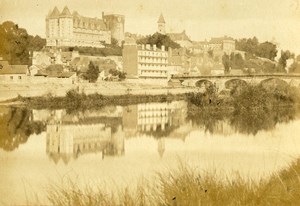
x=202, y=19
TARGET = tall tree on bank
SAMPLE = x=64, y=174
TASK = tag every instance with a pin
x=92, y=73
x=15, y=43
x=226, y=63
x=282, y=62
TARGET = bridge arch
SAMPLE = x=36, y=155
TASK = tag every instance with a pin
x=272, y=83
x=234, y=83
x=203, y=83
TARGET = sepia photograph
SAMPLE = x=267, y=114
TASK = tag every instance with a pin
x=145, y=103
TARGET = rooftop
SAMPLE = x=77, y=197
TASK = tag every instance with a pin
x=220, y=40
x=6, y=68
x=161, y=19
x=179, y=36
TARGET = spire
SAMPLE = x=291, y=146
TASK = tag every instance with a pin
x=66, y=12
x=55, y=12
x=161, y=19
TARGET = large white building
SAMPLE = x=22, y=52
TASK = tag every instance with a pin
x=145, y=60
x=66, y=29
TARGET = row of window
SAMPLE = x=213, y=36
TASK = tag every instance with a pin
x=151, y=53
x=18, y=77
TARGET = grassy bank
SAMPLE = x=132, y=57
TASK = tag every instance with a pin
x=75, y=101
x=186, y=187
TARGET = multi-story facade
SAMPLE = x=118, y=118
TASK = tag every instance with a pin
x=222, y=44
x=145, y=61
x=66, y=29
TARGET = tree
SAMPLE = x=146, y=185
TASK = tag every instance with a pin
x=226, y=63
x=267, y=50
x=159, y=40
x=119, y=74
x=282, y=62
x=114, y=42
x=252, y=47
x=15, y=43
x=92, y=73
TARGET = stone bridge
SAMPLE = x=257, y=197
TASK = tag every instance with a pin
x=227, y=82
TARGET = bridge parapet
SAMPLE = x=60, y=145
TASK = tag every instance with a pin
x=222, y=81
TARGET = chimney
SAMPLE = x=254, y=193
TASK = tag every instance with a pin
x=154, y=47
x=163, y=48
x=148, y=46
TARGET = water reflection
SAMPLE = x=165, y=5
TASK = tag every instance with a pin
x=245, y=121
x=16, y=127
x=104, y=131
x=139, y=140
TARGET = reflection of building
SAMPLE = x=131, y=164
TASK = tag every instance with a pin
x=157, y=119
x=71, y=140
x=69, y=135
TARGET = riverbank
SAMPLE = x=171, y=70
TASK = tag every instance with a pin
x=184, y=186
x=10, y=92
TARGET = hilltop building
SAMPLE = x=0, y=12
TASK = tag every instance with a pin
x=180, y=38
x=223, y=44
x=66, y=29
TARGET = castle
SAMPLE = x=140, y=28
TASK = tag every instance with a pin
x=66, y=29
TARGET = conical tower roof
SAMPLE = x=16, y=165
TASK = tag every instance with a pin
x=55, y=12
x=161, y=19
x=66, y=12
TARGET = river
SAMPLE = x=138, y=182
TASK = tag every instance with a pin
x=116, y=146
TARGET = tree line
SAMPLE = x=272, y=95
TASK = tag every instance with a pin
x=16, y=44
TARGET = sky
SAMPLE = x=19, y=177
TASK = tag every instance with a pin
x=268, y=20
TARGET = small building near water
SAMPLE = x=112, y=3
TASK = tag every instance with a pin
x=12, y=73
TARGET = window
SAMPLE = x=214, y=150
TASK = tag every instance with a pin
x=11, y=77
x=20, y=77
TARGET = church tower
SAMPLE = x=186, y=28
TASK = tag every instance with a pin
x=161, y=24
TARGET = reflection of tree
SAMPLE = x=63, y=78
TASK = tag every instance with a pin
x=15, y=127
x=253, y=109
x=208, y=116
x=255, y=119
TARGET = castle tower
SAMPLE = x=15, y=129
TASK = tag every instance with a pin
x=52, y=27
x=115, y=24
x=66, y=27
x=161, y=24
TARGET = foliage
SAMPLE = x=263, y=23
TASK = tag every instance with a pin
x=236, y=61
x=92, y=73
x=15, y=43
x=186, y=185
x=247, y=109
x=159, y=40
x=253, y=48
x=93, y=51
x=16, y=127
x=117, y=73
x=285, y=55
x=266, y=50
x=226, y=63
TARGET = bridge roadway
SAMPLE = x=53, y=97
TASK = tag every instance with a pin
x=228, y=81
